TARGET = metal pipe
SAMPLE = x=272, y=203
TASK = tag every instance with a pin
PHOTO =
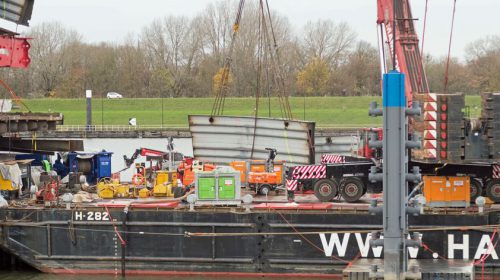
x=49, y=241
x=325, y=226
x=173, y=224
x=124, y=245
x=145, y=259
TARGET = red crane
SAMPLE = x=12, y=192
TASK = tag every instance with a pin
x=403, y=45
x=405, y=50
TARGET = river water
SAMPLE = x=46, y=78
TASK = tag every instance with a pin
x=18, y=275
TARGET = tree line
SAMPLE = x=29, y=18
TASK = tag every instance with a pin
x=177, y=56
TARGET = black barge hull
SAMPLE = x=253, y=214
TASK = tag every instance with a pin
x=229, y=241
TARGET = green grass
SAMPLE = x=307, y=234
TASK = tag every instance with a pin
x=325, y=111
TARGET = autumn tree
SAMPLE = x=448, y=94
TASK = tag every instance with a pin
x=221, y=80
x=313, y=79
x=182, y=56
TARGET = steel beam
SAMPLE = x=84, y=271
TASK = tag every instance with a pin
x=28, y=145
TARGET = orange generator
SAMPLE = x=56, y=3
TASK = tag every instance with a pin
x=442, y=191
x=187, y=168
x=253, y=174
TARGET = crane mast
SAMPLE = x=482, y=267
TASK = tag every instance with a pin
x=395, y=21
x=406, y=45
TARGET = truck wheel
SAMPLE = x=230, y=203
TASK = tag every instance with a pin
x=493, y=190
x=352, y=189
x=476, y=189
x=264, y=189
x=326, y=189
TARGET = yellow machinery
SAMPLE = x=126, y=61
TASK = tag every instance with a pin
x=109, y=189
x=164, y=182
x=144, y=192
x=7, y=185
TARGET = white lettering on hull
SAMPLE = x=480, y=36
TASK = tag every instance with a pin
x=455, y=249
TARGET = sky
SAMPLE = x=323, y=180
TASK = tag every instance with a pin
x=113, y=20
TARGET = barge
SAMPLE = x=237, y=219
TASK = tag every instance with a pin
x=265, y=238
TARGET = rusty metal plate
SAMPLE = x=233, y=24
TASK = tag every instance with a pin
x=222, y=139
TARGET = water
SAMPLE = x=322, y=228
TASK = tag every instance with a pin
x=127, y=146
x=31, y=275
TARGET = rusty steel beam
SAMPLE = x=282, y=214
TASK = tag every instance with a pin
x=43, y=146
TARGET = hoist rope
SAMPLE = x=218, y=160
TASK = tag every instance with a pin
x=423, y=31
x=218, y=106
x=449, y=48
x=275, y=58
x=259, y=73
x=15, y=97
x=423, y=86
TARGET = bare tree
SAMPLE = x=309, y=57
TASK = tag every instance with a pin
x=172, y=45
x=327, y=41
x=50, y=53
x=483, y=58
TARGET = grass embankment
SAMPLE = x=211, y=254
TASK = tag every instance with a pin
x=325, y=111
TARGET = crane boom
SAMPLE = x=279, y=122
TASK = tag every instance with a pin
x=406, y=46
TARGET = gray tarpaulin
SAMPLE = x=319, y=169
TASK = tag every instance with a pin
x=12, y=173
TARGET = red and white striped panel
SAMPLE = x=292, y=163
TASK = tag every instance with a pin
x=430, y=106
x=331, y=158
x=430, y=125
x=430, y=144
x=291, y=185
x=430, y=116
x=431, y=97
x=430, y=134
x=309, y=172
x=496, y=172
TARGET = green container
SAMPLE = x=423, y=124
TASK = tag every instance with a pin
x=226, y=188
x=206, y=188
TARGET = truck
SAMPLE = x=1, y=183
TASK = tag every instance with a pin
x=445, y=130
x=347, y=176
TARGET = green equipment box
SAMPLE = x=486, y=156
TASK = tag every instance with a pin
x=219, y=187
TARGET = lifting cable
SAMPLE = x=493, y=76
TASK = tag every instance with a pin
x=218, y=106
x=275, y=61
x=15, y=97
x=423, y=31
x=259, y=74
x=273, y=64
x=422, y=79
x=449, y=48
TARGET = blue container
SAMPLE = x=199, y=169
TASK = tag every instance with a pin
x=102, y=165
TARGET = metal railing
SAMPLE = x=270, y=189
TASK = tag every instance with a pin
x=117, y=128
x=169, y=127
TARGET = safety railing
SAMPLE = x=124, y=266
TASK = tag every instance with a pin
x=117, y=128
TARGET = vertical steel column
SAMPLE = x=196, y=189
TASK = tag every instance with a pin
x=88, y=95
x=395, y=168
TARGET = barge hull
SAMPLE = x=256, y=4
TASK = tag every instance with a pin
x=217, y=242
